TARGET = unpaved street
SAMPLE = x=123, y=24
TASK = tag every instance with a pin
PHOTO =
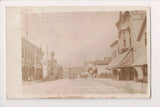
x=84, y=86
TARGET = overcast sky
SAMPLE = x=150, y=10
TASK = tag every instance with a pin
x=75, y=37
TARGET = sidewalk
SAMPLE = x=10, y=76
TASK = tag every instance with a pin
x=129, y=86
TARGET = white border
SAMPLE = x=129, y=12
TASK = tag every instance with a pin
x=155, y=55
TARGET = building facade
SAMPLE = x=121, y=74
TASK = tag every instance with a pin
x=114, y=49
x=140, y=53
x=49, y=65
x=89, y=68
x=131, y=25
x=66, y=73
x=31, y=60
x=101, y=65
x=75, y=72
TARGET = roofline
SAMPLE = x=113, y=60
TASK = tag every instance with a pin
x=30, y=43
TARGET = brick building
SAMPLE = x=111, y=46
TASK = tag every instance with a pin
x=32, y=68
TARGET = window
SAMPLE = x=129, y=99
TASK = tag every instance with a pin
x=124, y=39
x=33, y=56
x=26, y=54
x=145, y=39
x=145, y=70
x=29, y=56
x=124, y=43
x=114, y=54
x=130, y=42
x=22, y=53
x=119, y=35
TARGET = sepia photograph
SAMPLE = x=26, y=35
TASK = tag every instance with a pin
x=78, y=52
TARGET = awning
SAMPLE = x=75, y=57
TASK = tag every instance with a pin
x=142, y=60
x=127, y=61
x=115, y=62
x=122, y=60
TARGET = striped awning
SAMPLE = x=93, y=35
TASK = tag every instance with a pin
x=122, y=60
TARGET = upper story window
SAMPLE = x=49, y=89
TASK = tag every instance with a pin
x=28, y=56
x=124, y=39
x=130, y=42
x=22, y=53
x=25, y=54
x=114, y=54
x=124, y=43
x=33, y=56
x=145, y=39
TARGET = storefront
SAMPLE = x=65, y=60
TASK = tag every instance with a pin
x=39, y=72
x=121, y=66
x=141, y=68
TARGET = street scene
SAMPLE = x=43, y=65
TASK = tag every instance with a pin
x=77, y=53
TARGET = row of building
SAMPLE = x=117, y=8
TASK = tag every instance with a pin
x=89, y=69
x=41, y=65
x=37, y=64
x=129, y=52
x=97, y=67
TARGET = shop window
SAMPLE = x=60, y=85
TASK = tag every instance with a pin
x=145, y=70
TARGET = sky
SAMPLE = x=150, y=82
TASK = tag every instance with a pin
x=74, y=37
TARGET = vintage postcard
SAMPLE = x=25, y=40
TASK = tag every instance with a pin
x=77, y=52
